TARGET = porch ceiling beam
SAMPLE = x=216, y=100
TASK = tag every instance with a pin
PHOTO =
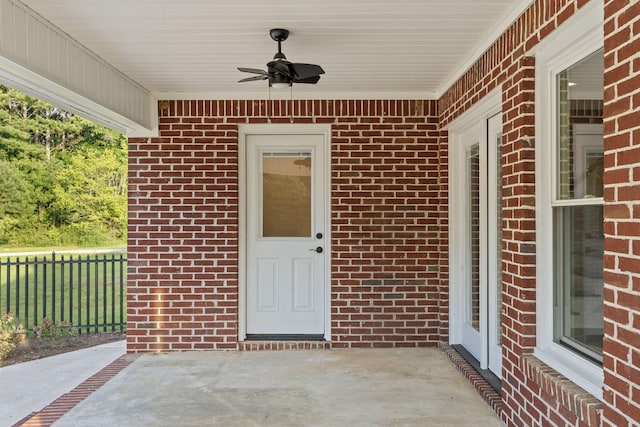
x=41, y=60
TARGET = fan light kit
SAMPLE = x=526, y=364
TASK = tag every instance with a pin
x=280, y=72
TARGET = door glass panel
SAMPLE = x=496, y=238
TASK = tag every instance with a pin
x=286, y=194
x=498, y=248
x=473, y=229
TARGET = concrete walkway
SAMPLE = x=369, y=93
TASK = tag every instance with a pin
x=30, y=386
x=382, y=387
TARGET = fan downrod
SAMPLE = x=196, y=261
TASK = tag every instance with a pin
x=279, y=34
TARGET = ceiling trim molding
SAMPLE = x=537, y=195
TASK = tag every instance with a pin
x=297, y=95
x=509, y=18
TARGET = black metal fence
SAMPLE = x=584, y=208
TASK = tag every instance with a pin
x=87, y=291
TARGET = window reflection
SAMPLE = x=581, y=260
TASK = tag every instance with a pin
x=286, y=195
x=580, y=157
x=578, y=212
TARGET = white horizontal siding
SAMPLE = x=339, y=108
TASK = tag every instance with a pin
x=31, y=42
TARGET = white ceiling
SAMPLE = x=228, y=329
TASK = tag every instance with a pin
x=368, y=48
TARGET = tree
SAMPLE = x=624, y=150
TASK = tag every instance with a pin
x=16, y=206
x=90, y=193
x=70, y=172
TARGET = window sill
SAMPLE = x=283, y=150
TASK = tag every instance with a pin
x=574, y=399
x=575, y=368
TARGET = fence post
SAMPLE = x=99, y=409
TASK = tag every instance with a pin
x=44, y=287
x=53, y=287
x=62, y=287
x=71, y=289
x=8, y=301
x=96, y=285
x=17, y=306
x=26, y=292
x=35, y=291
x=104, y=292
x=122, y=291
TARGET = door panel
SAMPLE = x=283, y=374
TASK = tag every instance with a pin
x=267, y=284
x=285, y=275
x=302, y=285
x=477, y=205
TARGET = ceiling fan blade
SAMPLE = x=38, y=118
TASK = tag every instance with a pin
x=252, y=70
x=304, y=71
x=311, y=80
x=254, y=78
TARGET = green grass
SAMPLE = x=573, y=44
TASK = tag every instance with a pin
x=9, y=249
x=81, y=289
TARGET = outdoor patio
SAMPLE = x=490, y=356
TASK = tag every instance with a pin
x=354, y=387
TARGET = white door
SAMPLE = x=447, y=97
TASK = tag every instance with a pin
x=286, y=228
x=476, y=241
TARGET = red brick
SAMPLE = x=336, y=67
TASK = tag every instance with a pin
x=361, y=142
x=373, y=240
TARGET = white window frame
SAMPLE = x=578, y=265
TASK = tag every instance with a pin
x=577, y=38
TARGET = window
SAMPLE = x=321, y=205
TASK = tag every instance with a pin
x=569, y=204
x=577, y=207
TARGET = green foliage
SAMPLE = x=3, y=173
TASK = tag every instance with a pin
x=10, y=334
x=16, y=201
x=51, y=329
x=62, y=178
x=89, y=194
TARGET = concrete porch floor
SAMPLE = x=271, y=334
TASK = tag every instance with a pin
x=355, y=387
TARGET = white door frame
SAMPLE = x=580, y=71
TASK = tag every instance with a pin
x=279, y=129
x=494, y=230
x=475, y=117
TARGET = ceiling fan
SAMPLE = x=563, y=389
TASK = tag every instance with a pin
x=281, y=72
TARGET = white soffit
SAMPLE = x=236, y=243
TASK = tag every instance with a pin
x=39, y=59
x=405, y=49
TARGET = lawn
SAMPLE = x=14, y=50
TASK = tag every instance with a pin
x=87, y=290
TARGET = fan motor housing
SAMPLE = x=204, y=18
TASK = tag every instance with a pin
x=279, y=34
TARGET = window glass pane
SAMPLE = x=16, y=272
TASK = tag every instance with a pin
x=473, y=224
x=580, y=91
x=579, y=247
x=286, y=195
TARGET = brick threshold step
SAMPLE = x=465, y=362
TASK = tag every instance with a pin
x=283, y=342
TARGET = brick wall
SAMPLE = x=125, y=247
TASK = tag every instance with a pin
x=531, y=391
x=622, y=214
x=386, y=222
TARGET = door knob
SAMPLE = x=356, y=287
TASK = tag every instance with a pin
x=318, y=249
